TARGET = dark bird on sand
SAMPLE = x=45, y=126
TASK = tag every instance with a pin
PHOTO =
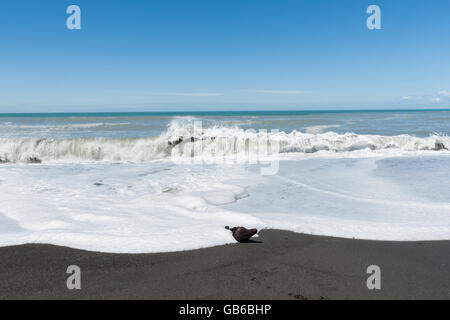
x=242, y=234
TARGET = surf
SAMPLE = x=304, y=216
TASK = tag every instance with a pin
x=186, y=138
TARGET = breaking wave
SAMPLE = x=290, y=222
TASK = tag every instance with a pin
x=187, y=138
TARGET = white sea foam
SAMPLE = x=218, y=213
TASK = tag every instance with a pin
x=184, y=136
x=159, y=206
x=128, y=195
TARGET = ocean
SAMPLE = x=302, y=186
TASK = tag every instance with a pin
x=157, y=182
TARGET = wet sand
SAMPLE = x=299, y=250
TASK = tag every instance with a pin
x=278, y=265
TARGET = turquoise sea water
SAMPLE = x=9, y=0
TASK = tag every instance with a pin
x=204, y=113
x=420, y=123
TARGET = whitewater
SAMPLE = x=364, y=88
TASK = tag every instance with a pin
x=185, y=136
x=90, y=184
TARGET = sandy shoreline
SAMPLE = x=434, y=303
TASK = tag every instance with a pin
x=281, y=265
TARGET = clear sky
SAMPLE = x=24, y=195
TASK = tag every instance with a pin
x=154, y=55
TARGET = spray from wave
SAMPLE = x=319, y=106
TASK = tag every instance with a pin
x=186, y=138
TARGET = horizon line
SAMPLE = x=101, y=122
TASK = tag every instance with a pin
x=223, y=111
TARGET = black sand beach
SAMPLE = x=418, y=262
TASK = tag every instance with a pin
x=278, y=265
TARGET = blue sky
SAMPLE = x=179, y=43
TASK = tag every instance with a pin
x=223, y=55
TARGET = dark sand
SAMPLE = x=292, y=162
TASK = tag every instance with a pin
x=284, y=265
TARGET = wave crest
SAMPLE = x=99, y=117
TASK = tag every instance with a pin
x=186, y=138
